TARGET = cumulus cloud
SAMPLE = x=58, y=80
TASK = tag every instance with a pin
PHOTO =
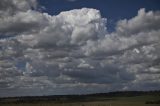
x=23, y=22
x=73, y=52
x=11, y=7
x=129, y=34
x=143, y=22
x=70, y=28
x=17, y=17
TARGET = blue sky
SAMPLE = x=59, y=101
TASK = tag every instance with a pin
x=57, y=47
x=113, y=10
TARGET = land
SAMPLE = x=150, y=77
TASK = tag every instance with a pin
x=127, y=98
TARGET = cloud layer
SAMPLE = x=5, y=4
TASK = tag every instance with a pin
x=72, y=52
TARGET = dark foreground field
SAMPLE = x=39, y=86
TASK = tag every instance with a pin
x=131, y=98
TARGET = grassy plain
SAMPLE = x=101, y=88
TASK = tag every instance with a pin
x=142, y=100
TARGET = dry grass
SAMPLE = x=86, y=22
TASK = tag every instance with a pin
x=86, y=104
x=118, y=101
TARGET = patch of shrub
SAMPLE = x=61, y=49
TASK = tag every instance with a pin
x=153, y=102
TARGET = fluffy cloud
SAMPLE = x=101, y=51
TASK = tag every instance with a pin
x=23, y=22
x=143, y=22
x=73, y=52
x=17, y=17
x=70, y=28
x=8, y=7
x=138, y=31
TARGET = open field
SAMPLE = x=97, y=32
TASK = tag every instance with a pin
x=93, y=100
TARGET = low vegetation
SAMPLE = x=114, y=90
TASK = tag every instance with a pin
x=130, y=98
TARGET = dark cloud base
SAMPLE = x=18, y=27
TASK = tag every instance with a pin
x=73, y=53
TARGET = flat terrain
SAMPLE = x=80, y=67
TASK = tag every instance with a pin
x=93, y=100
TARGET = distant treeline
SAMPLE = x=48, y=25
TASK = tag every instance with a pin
x=127, y=93
x=153, y=102
x=78, y=98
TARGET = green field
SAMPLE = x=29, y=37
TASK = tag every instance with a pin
x=95, y=101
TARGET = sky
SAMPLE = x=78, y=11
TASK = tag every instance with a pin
x=59, y=47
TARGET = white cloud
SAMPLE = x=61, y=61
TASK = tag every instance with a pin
x=83, y=64
x=73, y=50
x=12, y=7
x=73, y=27
x=143, y=22
x=140, y=30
